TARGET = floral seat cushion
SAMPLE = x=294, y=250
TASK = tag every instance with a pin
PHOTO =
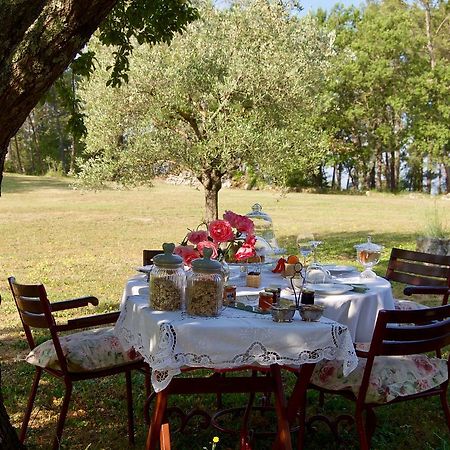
x=407, y=305
x=86, y=350
x=391, y=377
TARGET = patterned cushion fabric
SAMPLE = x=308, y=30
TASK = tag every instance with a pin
x=407, y=305
x=85, y=350
x=391, y=377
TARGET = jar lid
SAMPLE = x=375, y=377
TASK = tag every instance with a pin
x=206, y=264
x=369, y=246
x=257, y=213
x=168, y=258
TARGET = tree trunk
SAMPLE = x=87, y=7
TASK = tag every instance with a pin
x=212, y=182
x=19, y=160
x=392, y=169
x=38, y=40
x=37, y=168
x=8, y=435
x=447, y=178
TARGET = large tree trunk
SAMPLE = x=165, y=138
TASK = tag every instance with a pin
x=8, y=436
x=38, y=40
x=212, y=182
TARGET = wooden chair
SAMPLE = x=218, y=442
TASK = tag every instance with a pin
x=148, y=255
x=62, y=356
x=383, y=377
x=423, y=272
x=164, y=437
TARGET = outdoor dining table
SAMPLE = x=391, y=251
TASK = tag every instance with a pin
x=171, y=342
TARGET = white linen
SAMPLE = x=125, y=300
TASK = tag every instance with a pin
x=358, y=311
x=169, y=341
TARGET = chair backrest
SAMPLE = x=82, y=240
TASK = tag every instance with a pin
x=419, y=269
x=420, y=331
x=148, y=255
x=35, y=312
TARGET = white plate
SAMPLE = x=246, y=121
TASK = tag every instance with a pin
x=332, y=268
x=145, y=269
x=329, y=288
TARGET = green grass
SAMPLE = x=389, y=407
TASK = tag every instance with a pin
x=80, y=243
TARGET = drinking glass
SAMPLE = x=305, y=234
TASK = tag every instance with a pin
x=304, y=244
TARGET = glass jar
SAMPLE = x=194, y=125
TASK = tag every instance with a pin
x=368, y=255
x=263, y=225
x=167, y=281
x=205, y=283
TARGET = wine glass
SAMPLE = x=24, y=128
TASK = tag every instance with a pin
x=314, y=244
x=304, y=244
x=368, y=255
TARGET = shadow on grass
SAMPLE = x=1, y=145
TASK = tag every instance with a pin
x=13, y=184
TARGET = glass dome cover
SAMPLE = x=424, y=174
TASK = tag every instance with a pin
x=263, y=226
x=368, y=255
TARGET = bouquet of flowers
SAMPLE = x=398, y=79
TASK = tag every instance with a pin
x=231, y=238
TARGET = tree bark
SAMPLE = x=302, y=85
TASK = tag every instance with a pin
x=211, y=180
x=447, y=178
x=38, y=40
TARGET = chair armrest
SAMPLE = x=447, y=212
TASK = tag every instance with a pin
x=430, y=290
x=89, y=321
x=74, y=303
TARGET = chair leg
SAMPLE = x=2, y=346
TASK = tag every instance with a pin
x=157, y=419
x=130, y=407
x=359, y=419
x=164, y=438
x=26, y=419
x=62, y=414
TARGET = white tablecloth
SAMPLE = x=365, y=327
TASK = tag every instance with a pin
x=170, y=341
x=358, y=311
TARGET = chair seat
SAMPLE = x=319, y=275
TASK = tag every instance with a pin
x=407, y=305
x=85, y=351
x=391, y=376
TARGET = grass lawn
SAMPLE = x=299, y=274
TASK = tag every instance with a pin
x=80, y=243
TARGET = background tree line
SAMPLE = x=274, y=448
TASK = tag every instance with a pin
x=355, y=93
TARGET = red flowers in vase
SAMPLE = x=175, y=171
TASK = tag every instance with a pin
x=231, y=239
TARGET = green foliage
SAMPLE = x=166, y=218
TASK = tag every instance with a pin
x=240, y=88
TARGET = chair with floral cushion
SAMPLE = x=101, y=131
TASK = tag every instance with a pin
x=83, y=355
x=394, y=367
x=425, y=273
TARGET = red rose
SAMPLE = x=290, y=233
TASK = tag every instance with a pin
x=187, y=252
x=245, y=225
x=197, y=236
x=245, y=252
x=208, y=244
x=220, y=231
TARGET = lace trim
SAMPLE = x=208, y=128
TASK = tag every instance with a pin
x=166, y=364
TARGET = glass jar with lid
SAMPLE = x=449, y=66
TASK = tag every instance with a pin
x=167, y=281
x=368, y=255
x=263, y=228
x=205, y=283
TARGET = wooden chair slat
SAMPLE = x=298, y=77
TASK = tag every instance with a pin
x=424, y=271
x=34, y=320
x=404, y=333
x=148, y=255
x=410, y=255
x=30, y=304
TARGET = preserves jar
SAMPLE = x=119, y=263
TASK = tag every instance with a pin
x=167, y=281
x=205, y=283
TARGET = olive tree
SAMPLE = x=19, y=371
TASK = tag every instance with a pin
x=241, y=87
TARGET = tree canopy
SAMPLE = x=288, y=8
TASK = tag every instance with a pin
x=241, y=87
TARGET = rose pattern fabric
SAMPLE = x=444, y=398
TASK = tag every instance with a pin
x=86, y=350
x=407, y=305
x=391, y=377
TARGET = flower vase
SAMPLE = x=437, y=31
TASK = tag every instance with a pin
x=225, y=270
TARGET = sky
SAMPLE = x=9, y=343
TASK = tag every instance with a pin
x=312, y=5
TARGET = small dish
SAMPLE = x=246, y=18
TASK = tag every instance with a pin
x=329, y=288
x=311, y=313
x=282, y=313
x=333, y=268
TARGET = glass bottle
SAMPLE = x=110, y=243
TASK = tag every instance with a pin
x=205, y=284
x=167, y=281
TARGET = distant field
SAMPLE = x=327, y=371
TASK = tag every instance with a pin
x=81, y=243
